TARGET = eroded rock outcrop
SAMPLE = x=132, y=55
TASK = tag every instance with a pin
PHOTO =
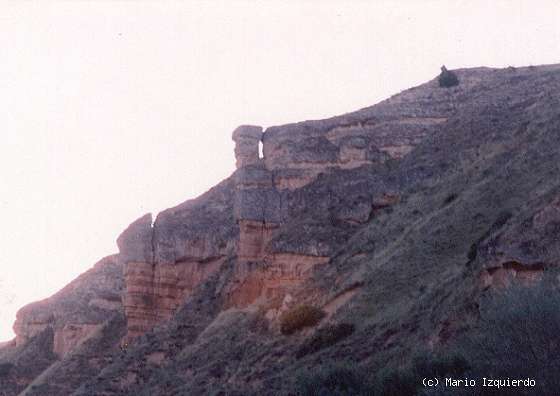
x=164, y=262
x=75, y=312
x=261, y=273
x=257, y=206
x=247, y=139
x=154, y=292
x=298, y=153
x=523, y=250
x=271, y=279
x=268, y=214
x=285, y=218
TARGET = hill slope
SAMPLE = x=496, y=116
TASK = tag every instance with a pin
x=393, y=220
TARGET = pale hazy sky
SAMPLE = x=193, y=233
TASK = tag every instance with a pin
x=112, y=109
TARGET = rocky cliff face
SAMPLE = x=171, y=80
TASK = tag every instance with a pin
x=49, y=331
x=165, y=261
x=163, y=266
x=76, y=311
x=394, y=219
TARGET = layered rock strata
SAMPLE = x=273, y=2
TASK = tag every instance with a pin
x=77, y=311
x=516, y=251
x=247, y=139
x=279, y=211
x=165, y=261
x=269, y=200
x=262, y=274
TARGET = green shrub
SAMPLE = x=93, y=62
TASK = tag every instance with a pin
x=447, y=78
x=407, y=380
x=517, y=336
x=325, y=337
x=334, y=380
x=501, y=220
x=299, y=317
x=348, y=379
x=396, y=382
x=473, y=252
x=439, y=365
x=5, y=369
x=450, y=198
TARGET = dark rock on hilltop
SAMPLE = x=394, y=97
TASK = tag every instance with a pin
x=447, y=79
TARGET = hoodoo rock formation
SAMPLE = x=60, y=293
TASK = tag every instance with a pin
x=392, y=222
x=247, y=139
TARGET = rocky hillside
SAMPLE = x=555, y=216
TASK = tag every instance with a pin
x=360, y=238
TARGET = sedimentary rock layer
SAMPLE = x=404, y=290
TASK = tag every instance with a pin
x=77, y=311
